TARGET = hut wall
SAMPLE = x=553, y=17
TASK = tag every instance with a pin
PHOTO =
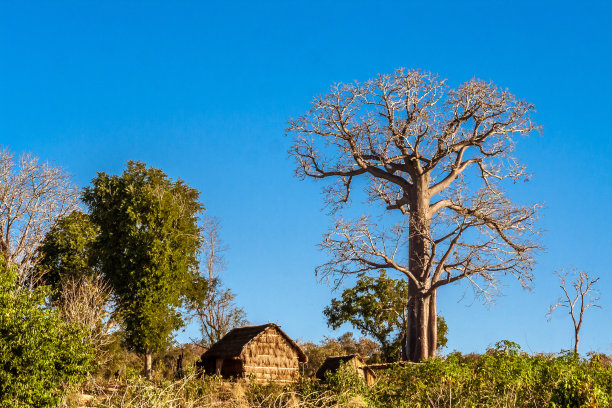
x=271, y=358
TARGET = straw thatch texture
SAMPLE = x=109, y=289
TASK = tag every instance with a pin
x=354, y=361
x=263, y=353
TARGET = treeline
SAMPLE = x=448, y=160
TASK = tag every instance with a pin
x=95, y=276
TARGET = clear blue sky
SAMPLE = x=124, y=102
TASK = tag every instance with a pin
x=203, y=90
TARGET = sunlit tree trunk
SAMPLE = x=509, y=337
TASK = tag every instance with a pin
x=148, y=364
x=421, y=305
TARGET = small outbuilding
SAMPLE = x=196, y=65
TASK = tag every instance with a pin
x=354, y=361
x=263, y=353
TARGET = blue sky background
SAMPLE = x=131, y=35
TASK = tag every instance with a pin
x=203, y=90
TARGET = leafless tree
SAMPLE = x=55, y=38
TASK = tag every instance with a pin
x=33, y=195
x=436, y=157
x=216, y=312
x=578, y=295
x=86, y=300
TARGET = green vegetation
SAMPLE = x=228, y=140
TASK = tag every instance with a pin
x=377, y=308
x=39, y=353
x=147, y=249
x=502, y=377
x=66, y=250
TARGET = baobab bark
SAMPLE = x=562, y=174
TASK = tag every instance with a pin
x=422, y=333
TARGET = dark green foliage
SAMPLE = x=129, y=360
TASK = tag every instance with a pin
x=39, y=353
x=66, y=250
x=147, y=249
x=377, y=308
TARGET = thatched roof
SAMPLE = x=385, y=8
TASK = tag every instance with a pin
x=332, y=364
x=232, y=344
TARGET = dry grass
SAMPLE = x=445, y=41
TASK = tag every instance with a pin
x=192, y=392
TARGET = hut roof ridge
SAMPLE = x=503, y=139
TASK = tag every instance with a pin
x=232, y=344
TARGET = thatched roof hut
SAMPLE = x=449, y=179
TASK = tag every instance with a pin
x=354, y=361
x=264, y=353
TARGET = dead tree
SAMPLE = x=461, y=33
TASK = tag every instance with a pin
x=87, y=302
x=578, y=295
x=436, y=157
x=33, y=195
x=216, y=312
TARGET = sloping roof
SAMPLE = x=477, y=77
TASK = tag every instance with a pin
x=232, y=344
x=333, y=363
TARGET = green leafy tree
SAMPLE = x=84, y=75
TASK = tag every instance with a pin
x=66, y=249
x=147, y=249
x=377, y=307
x=39, y=352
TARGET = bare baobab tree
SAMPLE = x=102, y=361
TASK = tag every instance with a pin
x=436, y=157
x=578, y=295
x=33, y=195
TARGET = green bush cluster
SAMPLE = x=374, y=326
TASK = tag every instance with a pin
x=39, y=353
x=503, y=377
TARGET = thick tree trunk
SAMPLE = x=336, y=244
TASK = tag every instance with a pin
x=433, y=324
x=421, y=336
x=148, y=364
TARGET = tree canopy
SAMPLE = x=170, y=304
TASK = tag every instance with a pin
x=66, y=249
x=147, y=248
x=437, y=156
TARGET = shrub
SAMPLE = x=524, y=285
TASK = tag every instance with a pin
x=39, y=353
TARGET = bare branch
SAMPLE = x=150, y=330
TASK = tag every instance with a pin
x=579, y=294
x=33, y=195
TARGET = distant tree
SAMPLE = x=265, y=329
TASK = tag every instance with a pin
x=33, y=195
x=66, y=251
x=437, y=157
x=40, y=354
x=377, y=308
x=147, y=248
x=578, y=295
x=216, y=311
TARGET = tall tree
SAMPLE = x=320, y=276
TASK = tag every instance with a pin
x=216, y=311
x=579, y=294
x=377, y=308
x=147, y=248
x=435, y=156
x=33, y=195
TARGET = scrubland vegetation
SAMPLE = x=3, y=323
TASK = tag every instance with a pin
x=502, y=377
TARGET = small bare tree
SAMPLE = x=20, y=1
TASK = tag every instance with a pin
x=436, y=157
x=216, y=312
x=86, y=300
x=578, y=295
x=33, y=195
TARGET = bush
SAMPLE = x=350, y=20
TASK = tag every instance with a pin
x=503, y=377
x=39, y=353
